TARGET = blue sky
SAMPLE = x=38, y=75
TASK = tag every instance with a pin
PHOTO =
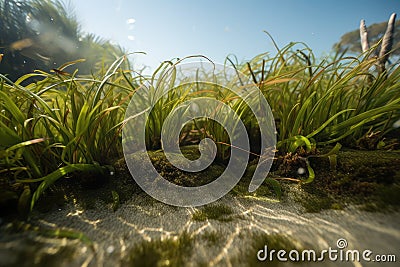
x=172, y=28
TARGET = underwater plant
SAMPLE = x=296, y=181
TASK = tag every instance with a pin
x=64, y=123
x=61, y=125
x=337, y=99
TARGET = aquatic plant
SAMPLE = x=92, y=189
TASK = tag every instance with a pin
x=337, y=99
x=65, y=123
x=61, y=124
x=170, y=251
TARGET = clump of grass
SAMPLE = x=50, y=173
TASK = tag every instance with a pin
x=61, y=124
x=220, y=212
x=65, y=124
x=337, y=99
x=314, y=103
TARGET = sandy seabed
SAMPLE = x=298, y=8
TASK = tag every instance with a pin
x=142, y=219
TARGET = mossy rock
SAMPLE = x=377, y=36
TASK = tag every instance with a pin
x=371, y=166
x=175, y=175
x=369, y=178
x=315, y=200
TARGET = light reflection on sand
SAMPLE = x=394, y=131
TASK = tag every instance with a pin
x=135, y=222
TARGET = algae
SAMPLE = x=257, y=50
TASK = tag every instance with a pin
x=370, y=179
x=220, y=212
x=273, y=242
x=172, y=251
x=363, y=177
x=175, y=175
x=212, y=238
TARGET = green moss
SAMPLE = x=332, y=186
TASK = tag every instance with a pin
x=191, y=152
x=218, y=212
x=351, y=159
x=273, y=242
x=390, y=195
x=371, y=207
x=167, y=252
x=34, y=251
x=115, y=200
x=386, y=198
x=336, y=206
x=369, y=179
x=269, y=188
x=314, y=199
x=242, y=189
x=177, y=176
x=316, y=204
x=213, y=238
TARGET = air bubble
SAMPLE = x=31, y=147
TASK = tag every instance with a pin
x=301, y=171
x=396, y=124
x=110, y=249
x=130, y=21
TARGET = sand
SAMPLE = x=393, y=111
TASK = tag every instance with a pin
x=140, y=219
